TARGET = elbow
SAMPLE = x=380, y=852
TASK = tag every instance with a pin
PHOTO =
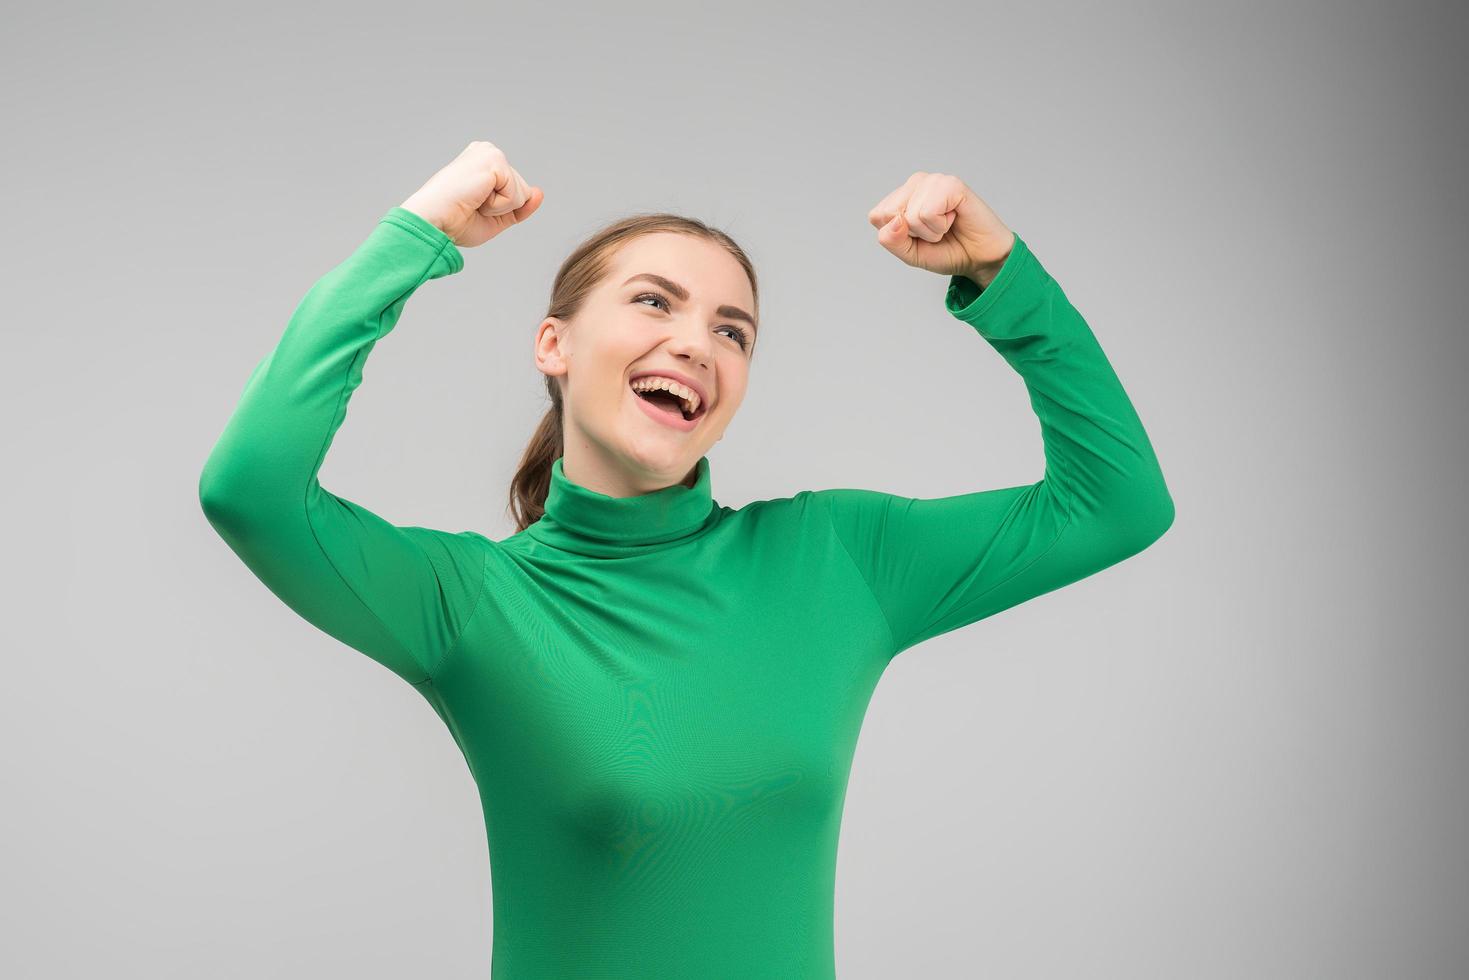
x=1139, y=521
x=213, y=488
x=1162, y=521
x=221, y=493
x=214, y=499
x=1165, y=514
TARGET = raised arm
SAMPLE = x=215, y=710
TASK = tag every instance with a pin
x=937, y=564
x=401, y=595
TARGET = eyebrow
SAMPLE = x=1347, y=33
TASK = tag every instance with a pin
x=683, y=295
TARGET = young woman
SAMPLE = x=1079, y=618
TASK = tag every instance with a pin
x=659, y=696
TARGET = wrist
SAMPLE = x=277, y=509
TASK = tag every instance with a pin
x=427, y=214
x=983, y=275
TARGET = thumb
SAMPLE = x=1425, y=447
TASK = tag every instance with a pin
x=894, y=237
x=533, y=200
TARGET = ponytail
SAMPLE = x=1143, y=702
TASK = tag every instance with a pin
x=532, y=480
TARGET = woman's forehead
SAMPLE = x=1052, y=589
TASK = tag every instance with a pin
x=704, y=270
x=667, y=246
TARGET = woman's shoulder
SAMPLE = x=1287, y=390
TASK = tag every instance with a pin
x=801, y=507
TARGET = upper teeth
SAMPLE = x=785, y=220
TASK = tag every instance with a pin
x=652, y=382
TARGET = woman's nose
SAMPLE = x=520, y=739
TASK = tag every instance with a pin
x=691, y=341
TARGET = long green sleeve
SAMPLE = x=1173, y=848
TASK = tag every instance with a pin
x=936, y=564
x=401, y=595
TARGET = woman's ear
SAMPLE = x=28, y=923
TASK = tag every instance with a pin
x=551, y=350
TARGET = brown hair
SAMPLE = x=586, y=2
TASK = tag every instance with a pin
x=579, y=274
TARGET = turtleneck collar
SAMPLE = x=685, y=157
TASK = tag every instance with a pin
x=586, y=522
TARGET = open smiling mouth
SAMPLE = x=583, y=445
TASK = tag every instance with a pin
x=668, y=407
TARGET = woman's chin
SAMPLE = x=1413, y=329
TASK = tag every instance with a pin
x=654, y=452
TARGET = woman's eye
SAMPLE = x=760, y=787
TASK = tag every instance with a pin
x=741, y=336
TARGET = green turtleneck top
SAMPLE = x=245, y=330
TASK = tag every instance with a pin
x=659, y=696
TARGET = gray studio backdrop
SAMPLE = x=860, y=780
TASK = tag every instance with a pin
x=1238, y=754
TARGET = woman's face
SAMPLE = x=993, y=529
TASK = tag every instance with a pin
x=632, y=323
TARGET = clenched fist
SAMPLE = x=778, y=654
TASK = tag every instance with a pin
x=475, y=196
x=935, y=222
